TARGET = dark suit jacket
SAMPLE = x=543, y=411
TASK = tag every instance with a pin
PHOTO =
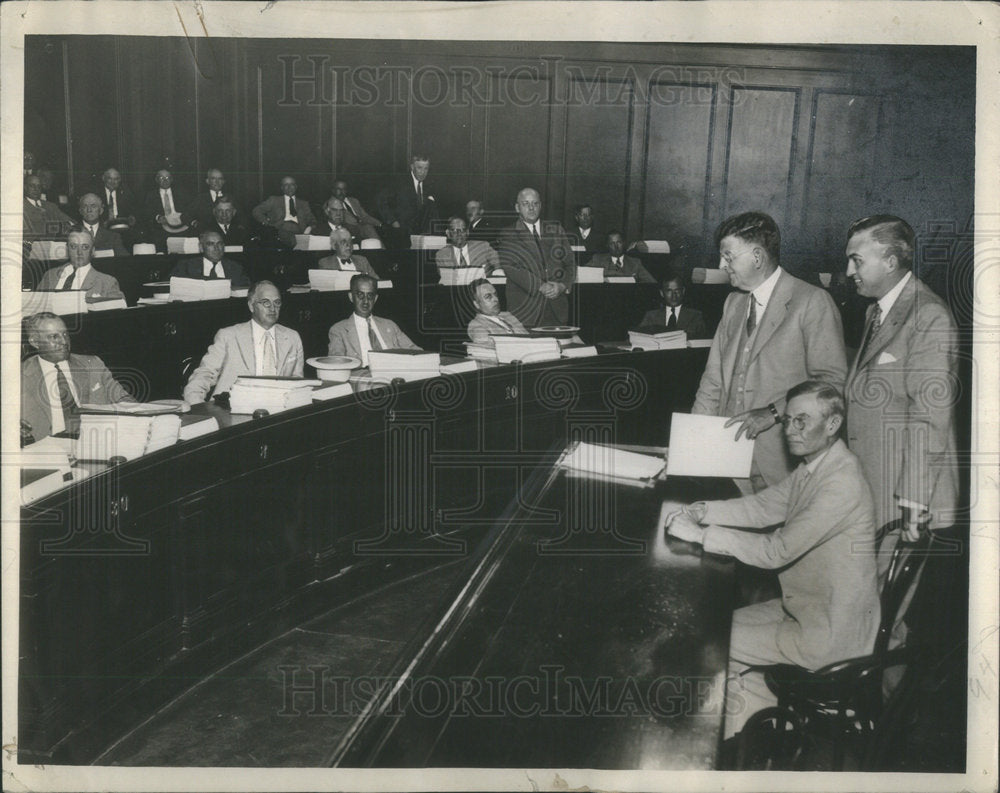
x=630, y=266
x=106, y=240
x=238, y=233
x=596, y=241
x=152, y=206
x=93, y=382
x=398, y=203
x=527, y=268
x=365, y=223
x=360, y=263
x=271, y=212
x=689, y=320
x=193, y=268
x=47, y=223
x=201, y=209
x=128, y=205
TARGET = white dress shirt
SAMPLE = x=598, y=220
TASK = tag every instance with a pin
x=361, y=325
x=585, y=233
x=762, y=294
x=288, y=211
x=207, y=267
x=52, y=391
x=92, y=229
x=163, y=196
x=81, y=276
x=888, y=300
x=459, y=253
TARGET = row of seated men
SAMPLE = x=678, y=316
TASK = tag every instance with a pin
x=841, y=447
x=118, y=220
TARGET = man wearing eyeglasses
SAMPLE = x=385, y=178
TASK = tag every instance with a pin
x=775, y=331
x=829, y=607
x=258, y=347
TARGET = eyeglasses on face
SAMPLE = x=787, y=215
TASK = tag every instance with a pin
x=268, y=303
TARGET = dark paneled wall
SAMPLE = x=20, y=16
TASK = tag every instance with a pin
x=664, y=140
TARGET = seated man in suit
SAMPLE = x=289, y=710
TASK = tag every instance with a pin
x=43, y=220
x=407, y=207
x=822, y=551
x=54, y=383
x=615, y=262
x=355, y=214
x=258, y=347
x=79, y=274
x=583, y=232
x=480, y=227
x=344, y=257
x=165, y=211
x=334, y=217
x=474, y=258
x=286, y=213
x=675, y=315
x=361, y=332
x=538, y=261
x=211, y=265
x=490, y=320
x=91, y=208
x=119, y=203
x=226, y=221
x=201, y=209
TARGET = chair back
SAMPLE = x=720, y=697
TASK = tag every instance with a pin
x=908, y=559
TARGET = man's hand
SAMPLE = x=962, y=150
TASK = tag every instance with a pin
x=914, y=520
x=548, y=290
x=395, y=224
x=752, y=422
x=682, y=521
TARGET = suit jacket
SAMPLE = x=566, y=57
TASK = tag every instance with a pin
x=93, y=382
x=365, y=223
x=46, y=223
x=271, y=212
x=901, y=396
x=323, y=229
x=343, y=337
x=128, y=205
x=480, y=255
x=193, y=268
x=630, y=266
x=231, y=355
x=485, y=230
x=238, y=233
x=799, y=337
x=398, y=203
x=689, y=320
x=201, y=208
x=481, y=328
x=596, y=241
x=106, y=240
x=360, y=263
x=823, y=552
x=98, y=285
x=527, y=267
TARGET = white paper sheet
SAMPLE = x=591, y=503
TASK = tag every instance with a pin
x=702, y=446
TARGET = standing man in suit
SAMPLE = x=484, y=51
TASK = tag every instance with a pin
x=355, y=214
x=407, y=207
x=201, y=210
x=478, y=224
x=344, y=257
x=43, y=220
x=78, y=274
x=286, y=213
x=54, y=383
x=490, y=320
x=258, y=347
x=583, y=232
x=615, y=262
x=164, y=216
x=775, y=331
x=361, y=332
x=227, y=223
x=211, y=265
x=902, y=386
x=675, y=315
x=91, y=208
x=537, y=258
x=829, y=605
x=471, y=258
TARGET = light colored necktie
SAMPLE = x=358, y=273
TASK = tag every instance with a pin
x=112, y=209
x=168, y=207
x=373, y=341
x=69, y=406
x=268, y=365
x=504, y=324
x=463, y=262
x=350, y=209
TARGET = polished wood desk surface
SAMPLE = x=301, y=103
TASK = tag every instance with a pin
x=581, y=637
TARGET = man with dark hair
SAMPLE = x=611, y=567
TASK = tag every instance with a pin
x=227, y=222
x=675, y=315
x=258, y=347
x=211, y=264
x=489, y=319
x=361, y=225
x=775, y=331
x=469, y=259
x=407, y=207
x=829, y=605
x=584, y=233
x=201, y=210
x=361, y=332
x=287, y=213
x=616, y=263
x=902, y=386
x=479, y=226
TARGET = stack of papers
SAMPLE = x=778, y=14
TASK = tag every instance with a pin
x=657, y=337
x=590, y=275
x=408, y=364
x=427, y=242
x=311, y=242
x=481, y=352
x=525, y=349
x=272, y=394
x=332, y=391
x=62, y=303
x=611, y=464
x=183, y=245
x=460, y=276
x=457, y=367
x=103, y=436
x=331, y=280
x=45, y=467
x=107, y=305
x=193, y=289
x=704, y=446
x=620, y=279
x=194, y=426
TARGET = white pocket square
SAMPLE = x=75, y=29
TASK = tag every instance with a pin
x=886, y=358
x=95, y=386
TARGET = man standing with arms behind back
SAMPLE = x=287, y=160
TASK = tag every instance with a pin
x=775, y=331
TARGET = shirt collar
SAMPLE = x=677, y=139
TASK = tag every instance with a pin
x=762, y=294
x=259, y=332
x=812, y=466
x=888, y=300
x=83, y=272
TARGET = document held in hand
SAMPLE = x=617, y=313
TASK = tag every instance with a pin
x=703, y=446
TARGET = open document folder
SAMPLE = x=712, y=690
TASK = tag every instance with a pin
x=610, y=464
x=703, y=446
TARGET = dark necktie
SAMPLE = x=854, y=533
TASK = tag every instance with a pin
x=873, y=328
x=538, y=240
x=291, y=206
x=349, y=264
x=752, y=316
x=672, y=321
x=372, y=338
x=69, y=408
x=68, y=284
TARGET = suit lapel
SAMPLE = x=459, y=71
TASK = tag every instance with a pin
x=891, y=323
x=244, y=341
x=774, y=314
x=731, y=344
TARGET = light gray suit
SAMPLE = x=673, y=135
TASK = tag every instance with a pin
x=481, y=327
x=343, y=337
x=481, y=254
x=98, y=285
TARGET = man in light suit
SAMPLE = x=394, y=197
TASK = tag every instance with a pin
x=407, y=207
x=43, y=220
x=490, y=320
x=287, y=213
x=775, y=331
x=902, y=386
x=615, y=262
x=211, y=264
x=91, y=208
x=355, y=214
x=675, y=315
x=361, y=332
x=471, y=258
x=79, y=274
x=829, y=605
x=54, y=383
x=344, y=257
x=537, y=258
x=258, y=347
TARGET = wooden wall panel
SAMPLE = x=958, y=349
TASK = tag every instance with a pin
x=44, y=110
